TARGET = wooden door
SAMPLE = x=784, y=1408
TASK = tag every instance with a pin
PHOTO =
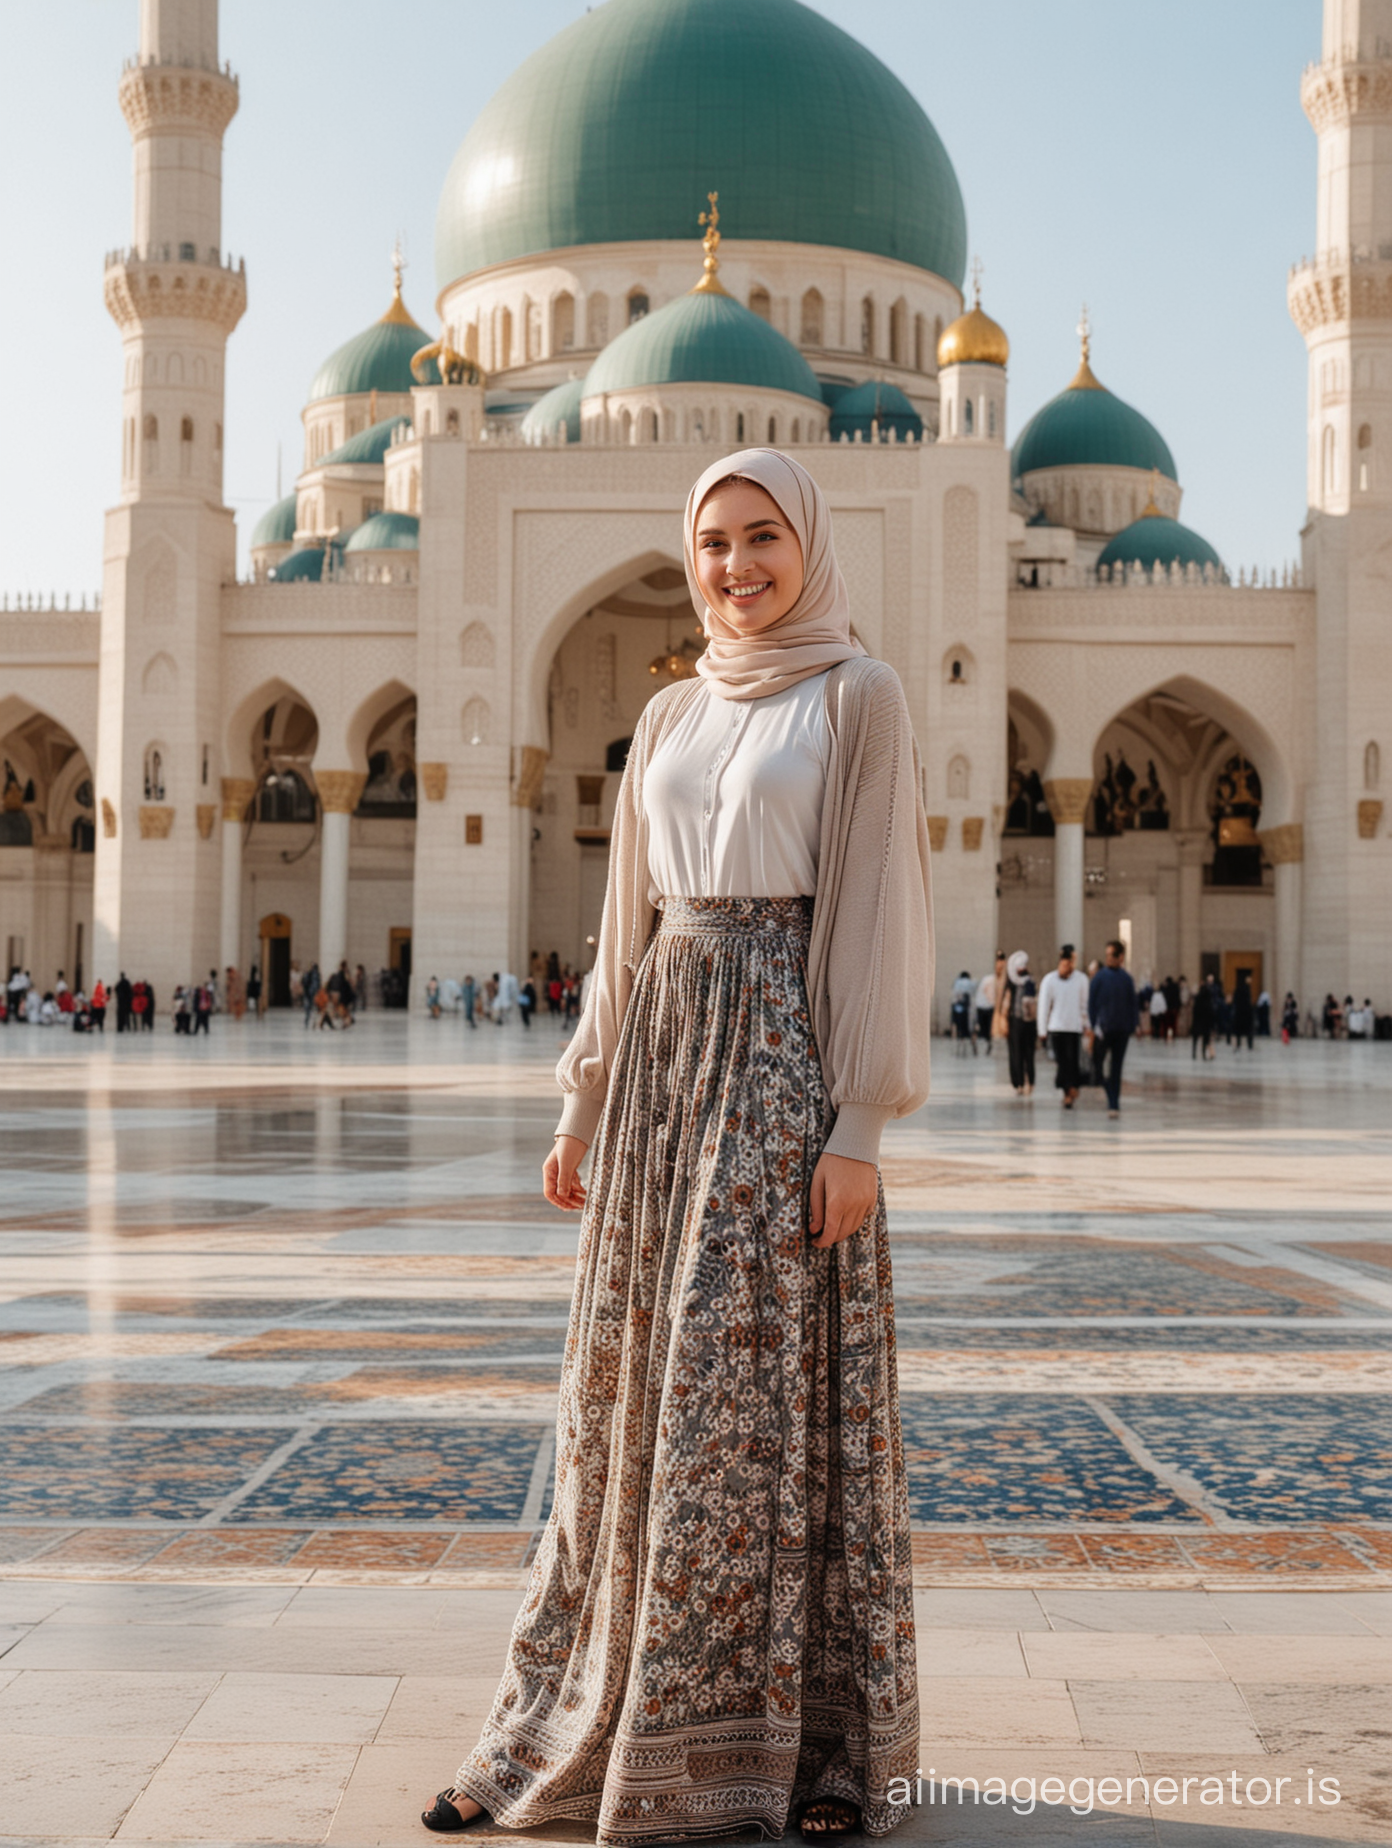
x=1235, y=962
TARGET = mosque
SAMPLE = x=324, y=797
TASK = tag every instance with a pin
x=401, y=741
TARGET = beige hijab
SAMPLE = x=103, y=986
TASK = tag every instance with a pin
x=816, y=632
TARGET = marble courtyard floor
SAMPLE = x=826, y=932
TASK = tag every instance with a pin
x=281, y=1318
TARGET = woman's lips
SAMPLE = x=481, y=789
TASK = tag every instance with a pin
x=747, y=594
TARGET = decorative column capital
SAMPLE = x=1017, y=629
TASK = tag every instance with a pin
x=156, y=822
x=237, y=792
x=530, y=770
x=1283, y=846
x=937, y=832
x=1068, y=798
x=205, y=814
x=434, y=781
x=973, y=827
x=1369, y=818
x=340, y=791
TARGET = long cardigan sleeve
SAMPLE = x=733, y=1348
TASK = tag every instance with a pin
x=870, y=960
x=583, y=1073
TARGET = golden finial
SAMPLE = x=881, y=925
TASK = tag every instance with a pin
x=454, y=367
x=1084, y=379
x=398, y=312
x=977, y=272
x=710, y=283
x=1151, y=510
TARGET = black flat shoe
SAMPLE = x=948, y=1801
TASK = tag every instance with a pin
x=841, y=1818
x=445, y=1819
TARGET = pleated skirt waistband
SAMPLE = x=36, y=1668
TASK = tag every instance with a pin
x=743, y=917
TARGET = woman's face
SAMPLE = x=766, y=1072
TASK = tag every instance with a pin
x=748, y=560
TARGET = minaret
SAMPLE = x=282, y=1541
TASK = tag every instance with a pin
x=1342, y=304
x=170, y=543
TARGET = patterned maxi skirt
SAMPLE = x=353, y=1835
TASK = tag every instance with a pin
x=719, y=1621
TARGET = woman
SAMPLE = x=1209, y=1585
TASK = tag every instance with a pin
x=719, y=1623
x=1019, y=1002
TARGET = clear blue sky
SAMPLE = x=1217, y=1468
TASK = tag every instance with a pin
x=1153, y=161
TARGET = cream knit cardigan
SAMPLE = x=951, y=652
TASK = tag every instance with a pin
x=870, y=961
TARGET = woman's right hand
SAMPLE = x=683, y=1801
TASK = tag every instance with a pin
x=560, y=1180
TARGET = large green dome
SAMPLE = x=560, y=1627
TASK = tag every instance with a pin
x=377, y=359
x=1088, y=426
x=277, y=524
x=617, y=129
x=1156, y=540
x=702, y=338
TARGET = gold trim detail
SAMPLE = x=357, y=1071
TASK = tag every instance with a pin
x=1085, y=379
x=973, y=827
x=237, y=792
x=1068, y=797
x=205, y=814
x=530, y=771
x=108, y=815
x=937, y=832
x=156, y=822
x=1369, y=818
x=710, y=283
x=434, y=781
x=339, y=790
x=1283, y=846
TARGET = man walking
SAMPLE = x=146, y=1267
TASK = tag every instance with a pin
x=1115, y=1015
x=1063, y=1011
x=986, y=1001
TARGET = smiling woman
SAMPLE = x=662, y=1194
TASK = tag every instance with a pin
x=733, y=1071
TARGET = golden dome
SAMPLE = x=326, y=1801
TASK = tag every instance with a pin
x=974, y=338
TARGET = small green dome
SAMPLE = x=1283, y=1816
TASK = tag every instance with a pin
x=875, y=402
x=1155, y=540
x=560, y=405
x=705, y=338
x=386, y=532
x=378, y=359
x=1088, y=426
x=276, y=525
x=304, y=566
x=616, y=130
x=369, y=445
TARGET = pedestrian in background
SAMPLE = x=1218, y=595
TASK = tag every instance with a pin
x=1201, y=1019
x=1115, y=1013
x=1063, y=1011
x=986, y=1001
x=470, y=994
x=1021, y=1005
x=1243, y=1013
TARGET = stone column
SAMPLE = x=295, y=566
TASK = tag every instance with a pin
x=1285, y=848
x=1193, y=850
x=237, y=792
x=339, y=793
x=1068, y=797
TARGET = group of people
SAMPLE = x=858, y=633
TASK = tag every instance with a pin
x=497, y=996
x=1096, y=1012
x=330, y=1004
x=1344, y=1020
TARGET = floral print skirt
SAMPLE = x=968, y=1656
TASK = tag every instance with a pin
x=719, y=1621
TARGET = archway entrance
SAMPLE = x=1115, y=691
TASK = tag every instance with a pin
x=47, y=841
x=636, y=640
x=275, y=935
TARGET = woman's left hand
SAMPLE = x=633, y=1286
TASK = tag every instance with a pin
x=844, y=1193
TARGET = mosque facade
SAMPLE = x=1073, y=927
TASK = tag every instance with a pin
x=400, y=741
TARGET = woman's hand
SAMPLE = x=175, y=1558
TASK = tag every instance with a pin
x=844, y=1193
x=559, y=1177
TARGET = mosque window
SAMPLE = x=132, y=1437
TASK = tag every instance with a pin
x=84, y=835
x=284, y=795
x=652, y=427
x=920, y=344
x=1372, y=766
x=772, y=431
x=1365, y=436
x=452, y=423
x=563, y=322
x=739, y=427
x=898, y=333
x=154, y=773
x=532, y=322
x=151, y=436
x=637, y=305
x=761, y=304
x=504, y=338
x=991, y=417
x=1329, y=457
x=867, y=325
x=626, y=427
x=597, y=319
x=967, y=417
x=796, y=435
x=698, y=428
x=813, y=318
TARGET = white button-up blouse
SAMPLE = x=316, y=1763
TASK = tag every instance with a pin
x=733, y=797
